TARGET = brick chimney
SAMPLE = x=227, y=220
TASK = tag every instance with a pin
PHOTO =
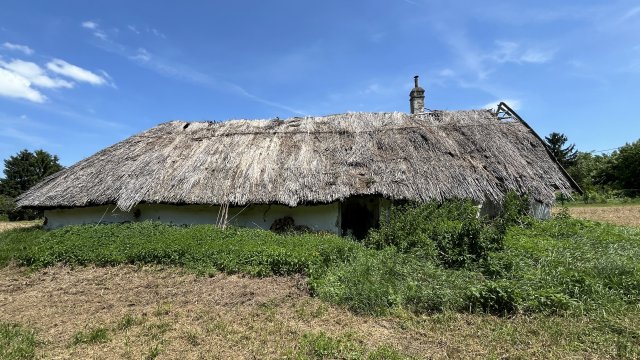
x=416, y=98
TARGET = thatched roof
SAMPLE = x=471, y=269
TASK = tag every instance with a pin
x=433, y=156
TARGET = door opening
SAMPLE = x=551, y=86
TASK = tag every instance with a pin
x=359, y=214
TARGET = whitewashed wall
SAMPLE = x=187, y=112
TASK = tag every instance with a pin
x=316, y=217
x=538, y=210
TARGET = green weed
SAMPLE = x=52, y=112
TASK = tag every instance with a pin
x=16, y=342
x=322, y=346
x=97, y=335
x=430, y=258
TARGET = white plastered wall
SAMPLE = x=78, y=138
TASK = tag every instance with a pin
x=537, y=209
x=317, y=217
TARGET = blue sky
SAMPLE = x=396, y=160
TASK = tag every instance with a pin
x=77, y=76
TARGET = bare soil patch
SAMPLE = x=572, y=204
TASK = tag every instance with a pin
x=8, y=225
x=626, y=215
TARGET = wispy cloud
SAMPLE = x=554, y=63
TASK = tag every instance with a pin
x=13, y=85
x=509, y=51
x=35, y=74
x=76, y=73
x=141, y=55
x=96, y=29
x=17, y=47
x=630, y=13
x=23, y=136
x=157, y=33
x=183, y=72
x=92, y=25
x=475, y=62
x=133, y=29
x=513, y=103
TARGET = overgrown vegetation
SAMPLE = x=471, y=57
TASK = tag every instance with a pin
x=427, y=258
x=203, y=248
x=451, y=235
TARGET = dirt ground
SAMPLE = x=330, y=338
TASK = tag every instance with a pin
x=627, y=215
x=164, y=313
x=8, y=225
x=176, y=314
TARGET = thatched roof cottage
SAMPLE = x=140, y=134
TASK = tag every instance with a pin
x=336, y=173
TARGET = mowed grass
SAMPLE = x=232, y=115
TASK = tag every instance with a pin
x=9, y=225
x=163, y=312
x=555, y=288
x=619, y=214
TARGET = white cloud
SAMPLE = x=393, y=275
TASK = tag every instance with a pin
x=16, y=86
x=142, y=55
x=90, y=25
x=75, y=72
x=97, y=31
x=35, y=74
x=536, y=56
x=513, y=103
x=100, y=34
x=17, y=47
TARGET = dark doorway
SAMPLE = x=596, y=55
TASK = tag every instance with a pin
x=359, y=214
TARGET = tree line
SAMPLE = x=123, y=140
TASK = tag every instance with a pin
x=600, y=176
x=21, y=172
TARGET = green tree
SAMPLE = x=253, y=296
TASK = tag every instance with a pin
x=588, y=170
x=26, y=169
x=623, y=170
x=21, y=172
x=566, y=156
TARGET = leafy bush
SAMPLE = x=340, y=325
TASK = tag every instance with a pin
x=451, y=234
x=9, y=211
x=514, y=212
x=6, y=204
x=562, y=265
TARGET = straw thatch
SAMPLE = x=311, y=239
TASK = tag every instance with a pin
x=433, y=156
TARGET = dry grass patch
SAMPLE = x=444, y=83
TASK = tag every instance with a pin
x=625, y=215
x=9, y=225
x=153, y=312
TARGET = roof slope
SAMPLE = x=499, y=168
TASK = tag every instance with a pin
x=433, y=156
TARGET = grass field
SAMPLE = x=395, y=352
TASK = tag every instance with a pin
x=9, y=225
x=157, y=312
x=562, y=288
x=626, y=215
